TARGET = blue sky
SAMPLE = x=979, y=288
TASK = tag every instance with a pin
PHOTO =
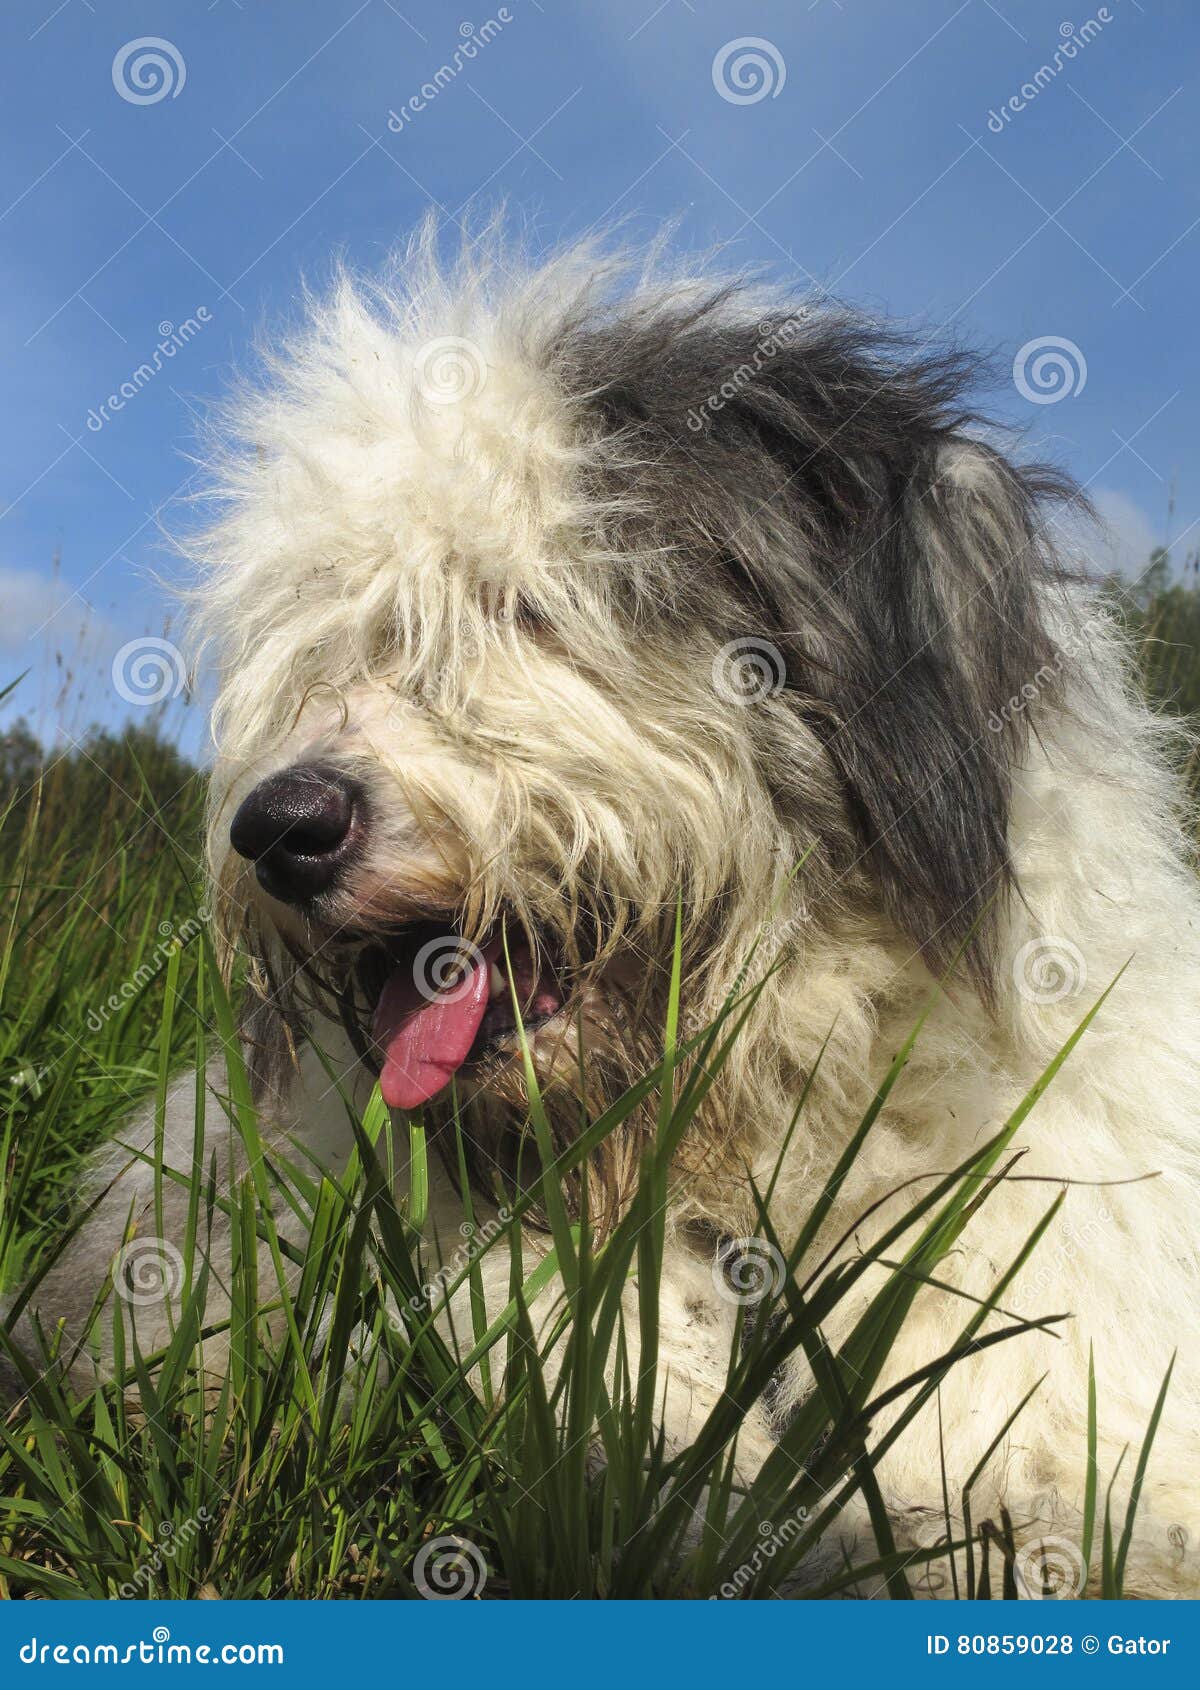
x=870, y=149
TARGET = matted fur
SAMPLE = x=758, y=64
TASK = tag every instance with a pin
x=510, y=618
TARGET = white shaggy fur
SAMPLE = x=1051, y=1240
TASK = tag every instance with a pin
x=443, y=597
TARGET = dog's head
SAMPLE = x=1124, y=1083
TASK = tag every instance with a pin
x=541, y=602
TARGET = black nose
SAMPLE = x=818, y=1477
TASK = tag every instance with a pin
x=299, y=828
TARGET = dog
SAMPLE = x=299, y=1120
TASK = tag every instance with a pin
x=549, y=603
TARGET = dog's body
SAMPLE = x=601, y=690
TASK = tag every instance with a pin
x=575, y=600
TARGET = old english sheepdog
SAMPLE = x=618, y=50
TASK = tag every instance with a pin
x=548, y=599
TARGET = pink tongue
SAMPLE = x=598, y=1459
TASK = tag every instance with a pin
x=425, y=1042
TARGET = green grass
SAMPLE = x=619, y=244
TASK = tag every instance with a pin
x=354, y=1448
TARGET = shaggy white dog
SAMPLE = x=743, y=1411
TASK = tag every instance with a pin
x=538, y=596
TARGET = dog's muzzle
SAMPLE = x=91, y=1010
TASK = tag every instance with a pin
x=300, y=828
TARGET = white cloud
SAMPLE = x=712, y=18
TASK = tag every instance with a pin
x=36, y=605
x=1124, y=537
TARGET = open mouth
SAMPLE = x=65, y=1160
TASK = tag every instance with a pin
x=442, y=1004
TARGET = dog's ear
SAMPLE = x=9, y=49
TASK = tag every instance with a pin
x=912, y=608
x=814, y=481
x=906, y=570
x=941, y=591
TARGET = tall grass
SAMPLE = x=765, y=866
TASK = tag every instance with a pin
x=91, y=899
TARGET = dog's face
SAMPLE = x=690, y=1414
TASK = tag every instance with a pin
x=541, y=613
x=443, y=861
